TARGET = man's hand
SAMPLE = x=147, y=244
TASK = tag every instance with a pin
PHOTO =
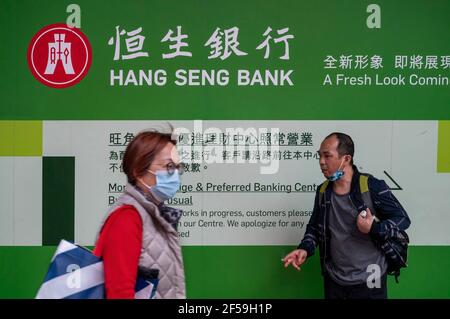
x=364, y=223
x=295, y=258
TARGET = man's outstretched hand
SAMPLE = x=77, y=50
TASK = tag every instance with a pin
x=296, y=258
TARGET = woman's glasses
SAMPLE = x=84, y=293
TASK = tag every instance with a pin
x=171, y=167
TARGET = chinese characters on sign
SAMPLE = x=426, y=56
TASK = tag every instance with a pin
x=297, y=146
x=412, y=62
x=222, y=43
x=423, y=68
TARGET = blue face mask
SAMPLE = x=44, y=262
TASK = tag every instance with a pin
x=166, y=184
x=336, y=175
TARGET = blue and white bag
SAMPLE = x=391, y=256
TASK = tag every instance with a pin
x=76, y=273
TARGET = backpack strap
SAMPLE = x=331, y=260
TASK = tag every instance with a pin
x=364, y=183
x=322, y=191
x=365, y=194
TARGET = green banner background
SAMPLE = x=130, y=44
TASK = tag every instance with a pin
x=320, y=27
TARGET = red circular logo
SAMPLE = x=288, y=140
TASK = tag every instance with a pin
x=59, y=56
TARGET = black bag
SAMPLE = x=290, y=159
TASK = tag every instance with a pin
x=395, y=247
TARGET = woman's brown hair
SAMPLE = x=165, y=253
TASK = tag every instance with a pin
x=141, y=152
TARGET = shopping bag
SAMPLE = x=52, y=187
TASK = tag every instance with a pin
x=76, y=273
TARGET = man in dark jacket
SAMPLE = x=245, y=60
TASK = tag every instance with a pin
x=346, y=230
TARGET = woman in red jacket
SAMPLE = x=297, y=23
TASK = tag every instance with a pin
x=140, y=231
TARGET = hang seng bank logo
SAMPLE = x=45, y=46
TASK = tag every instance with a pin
x=59, y=56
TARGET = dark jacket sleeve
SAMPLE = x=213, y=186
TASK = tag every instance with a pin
x=389, y=211
x=311, y=238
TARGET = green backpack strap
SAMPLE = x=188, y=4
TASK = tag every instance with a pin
x=365, y=193
x=322, y=191
x=364, y=183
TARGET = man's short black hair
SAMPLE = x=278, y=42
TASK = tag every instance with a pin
x=345, y=144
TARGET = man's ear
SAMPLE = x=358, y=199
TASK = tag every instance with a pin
x=348, y=158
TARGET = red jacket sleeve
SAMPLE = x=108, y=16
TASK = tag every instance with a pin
x=119, y=245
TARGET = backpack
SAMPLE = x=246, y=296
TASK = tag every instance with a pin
x=395, y=247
